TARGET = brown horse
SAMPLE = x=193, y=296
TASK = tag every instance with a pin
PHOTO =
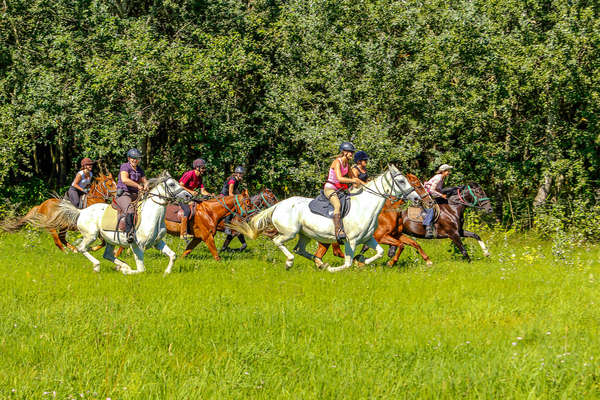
x=449, y=224
x=102, y=189
x=206, y=218
x=389, y=225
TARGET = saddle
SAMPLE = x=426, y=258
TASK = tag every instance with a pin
x=416, y=214
x=321, y=205
x=113, y=218
x=174, y=213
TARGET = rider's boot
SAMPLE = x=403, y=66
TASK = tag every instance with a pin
x=129, y=228
x=340, y=235
x=428, y=231
x=183, y=228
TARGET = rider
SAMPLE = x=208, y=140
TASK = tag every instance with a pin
x=81, y=183
x=230, y=188
x=359, y=169
x=190, y=181
x=435, y=187
x=131, y=180
x=336, y=181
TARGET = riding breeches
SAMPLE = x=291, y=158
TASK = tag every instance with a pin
x=333, y=199
x=74, y=196
x=124, y=202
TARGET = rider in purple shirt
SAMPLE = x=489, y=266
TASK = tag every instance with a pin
x=131, y=180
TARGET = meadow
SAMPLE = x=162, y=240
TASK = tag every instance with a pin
x=523, y=323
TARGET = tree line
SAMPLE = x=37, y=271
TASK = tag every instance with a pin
x=506, y=91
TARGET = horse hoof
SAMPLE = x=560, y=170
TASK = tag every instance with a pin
x=486, y=254
x=359, y=264
x=390, y=264
x=97, y=268
x=336, y=269
x=288, y=265
x=429, y=263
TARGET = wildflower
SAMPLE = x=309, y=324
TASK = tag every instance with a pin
x=514, y=343
x=519, y=338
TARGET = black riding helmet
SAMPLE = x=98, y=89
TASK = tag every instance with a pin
x=360, y=155
x=347, y=146
x=198, y=163
x=134, y=153
x=239, y=169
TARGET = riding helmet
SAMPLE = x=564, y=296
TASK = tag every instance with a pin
x=87, y=161
x=198, y=163
x=360, y=155
x=134, y=153
x=239, y=169
x=347, y=146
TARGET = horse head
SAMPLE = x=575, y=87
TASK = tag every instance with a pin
x=167, y=188
x=471, y=195
x=480, y=198
x=402, y=185
x=416, y=183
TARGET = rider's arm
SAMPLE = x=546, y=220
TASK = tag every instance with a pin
x=343, y=179
x=231, y=185
x=355, y=172
x=125, y=179
x=75, y=183
x=204, y=191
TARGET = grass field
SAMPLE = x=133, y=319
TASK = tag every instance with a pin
x=519, y=324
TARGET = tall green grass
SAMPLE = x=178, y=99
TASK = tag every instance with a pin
x=519, y=324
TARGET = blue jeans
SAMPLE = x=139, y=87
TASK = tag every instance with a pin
x=429, y=214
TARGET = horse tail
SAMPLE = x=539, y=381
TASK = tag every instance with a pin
x=12, y=225
x=64, y=216
x=257, y=225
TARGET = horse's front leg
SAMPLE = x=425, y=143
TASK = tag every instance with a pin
x=348, y=257
x=456, y=239
x=279, y=241
x=372, y=243
x=481, y=242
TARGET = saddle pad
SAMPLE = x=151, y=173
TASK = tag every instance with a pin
x=417, y=214
x=109, y=220
x=174, y=213
x=322, y=206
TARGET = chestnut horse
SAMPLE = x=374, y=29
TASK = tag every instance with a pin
x=449, y=224
x=389, y=226
x=207, y=216
x=102, y=189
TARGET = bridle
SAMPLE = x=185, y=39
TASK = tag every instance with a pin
x=170, y=197
x=107, y=194
x=237, y=206
x=390, y=196
x=476, y=200
x=261, y=202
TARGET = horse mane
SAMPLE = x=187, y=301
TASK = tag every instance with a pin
x=154, y=182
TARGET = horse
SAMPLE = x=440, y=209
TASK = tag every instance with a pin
x=149, y=233
x=448, y=225
x=292, y=217
x=387, y=226
x=264, y=199
x=206, y=218
x=102, y=190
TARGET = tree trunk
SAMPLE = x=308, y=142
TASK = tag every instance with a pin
x=543, y=191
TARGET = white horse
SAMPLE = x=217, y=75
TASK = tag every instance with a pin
x=149, y=233
x=291, y=217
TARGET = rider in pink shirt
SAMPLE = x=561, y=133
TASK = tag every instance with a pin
x=338, y=180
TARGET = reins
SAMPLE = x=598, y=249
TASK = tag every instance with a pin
x=241, y=213
x=389, y=196
x=476, y=200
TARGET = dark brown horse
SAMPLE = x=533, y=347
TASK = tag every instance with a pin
x=264, y=199
x=102, y=189
x=389, y=225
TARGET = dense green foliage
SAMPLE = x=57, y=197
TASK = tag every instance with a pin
x=506, y=90
x=523, y=324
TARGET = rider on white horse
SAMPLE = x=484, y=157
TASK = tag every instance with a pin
x=132, y=179
x=336, y=181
